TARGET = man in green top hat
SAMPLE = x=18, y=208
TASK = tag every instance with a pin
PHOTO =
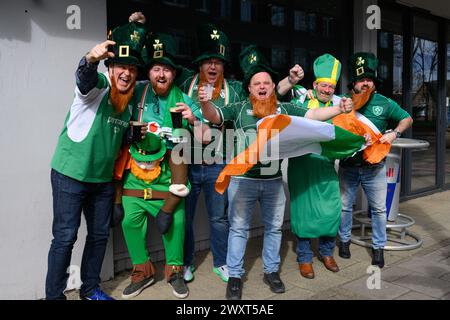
x=159, y=98
x=82, y=166
x=316, y=205
x=379, y=110
x=263, y=182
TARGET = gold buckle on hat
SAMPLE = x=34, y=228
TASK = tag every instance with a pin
x=359, y=71
x=124, y=51
x=148, y=193
x=158, y=54
x=222, y=50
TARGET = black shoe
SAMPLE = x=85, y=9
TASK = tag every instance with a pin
x=179, y=287
x=135, y=288
x=234, y=289
x=377, y=257
x=344, y=250
x=274, y=282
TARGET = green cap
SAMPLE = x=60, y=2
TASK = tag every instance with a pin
x=252, y=61
x=212, y=43
x=327, y=69
x=160, y=48
x=151, y=148
x=129, y=40
x=363, y=65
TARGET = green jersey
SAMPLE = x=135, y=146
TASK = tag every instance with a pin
x=92, y=135
x=245, y=129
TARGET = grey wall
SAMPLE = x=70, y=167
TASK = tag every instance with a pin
x=38, y=58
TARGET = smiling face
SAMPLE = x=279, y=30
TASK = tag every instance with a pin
x=161, y=76
x=363, y=85
x=324, y=90
x=261, y=85
x=124, y=76
x=212, y=69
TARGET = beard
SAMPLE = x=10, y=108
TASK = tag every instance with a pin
x=217, y=85
x=263, y=108
x=119, y=100
x=161, y=91
x=361, y=98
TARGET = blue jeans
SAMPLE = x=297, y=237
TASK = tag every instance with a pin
x=204, y=177
x=70, y=197
x=242, y=197
x=304, y=252
x=373, y=182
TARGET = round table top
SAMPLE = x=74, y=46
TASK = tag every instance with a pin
x=410, y=143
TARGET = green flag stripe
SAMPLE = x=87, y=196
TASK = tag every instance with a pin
x=344, y=145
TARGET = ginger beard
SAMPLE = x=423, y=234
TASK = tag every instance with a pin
x=119, y=100
x=161, y=86
x=265, y=107
x=217, y=85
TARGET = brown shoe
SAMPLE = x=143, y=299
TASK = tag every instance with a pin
x=329, y=263
x=306, y=270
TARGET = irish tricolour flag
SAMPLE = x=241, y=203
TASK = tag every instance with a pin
x=282, y=136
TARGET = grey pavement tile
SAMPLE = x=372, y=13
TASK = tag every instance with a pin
x=394, y=273
x=322, y=281
x=445, y=277
x=337, y=293
x=446, y=297
x=387, y=290
x=412, y=295
x=354, y=271
x=425, y=266
x=426, y=285
x=295, y=293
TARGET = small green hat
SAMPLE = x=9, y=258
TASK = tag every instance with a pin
x=363, y=65
x=252, y=61
x=160, y=48
x=151, y=148
x=129, y=40
x=327, y=69
x=212, y=43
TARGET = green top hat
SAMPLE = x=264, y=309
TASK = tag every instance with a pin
x=327, y=69
x=252, y=61
x=129, y=40
x=363, y=65
x=150, y=148
x=212, y=43
x=160, y=48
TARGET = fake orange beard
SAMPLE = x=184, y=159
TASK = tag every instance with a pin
x=263, y=108
x=217, y=85
x=119, y=100
x=162, y=92
x=360, y=99
x=147, y=175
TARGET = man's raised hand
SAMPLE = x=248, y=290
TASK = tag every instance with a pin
x=100, y=52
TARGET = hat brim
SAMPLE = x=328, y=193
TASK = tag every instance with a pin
x=207, y=56
x=149, y=157
x=126, y=61
x=378, y=82
x=259, y=68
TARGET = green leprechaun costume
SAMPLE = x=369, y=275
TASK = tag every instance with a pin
x=313, y=182
x=155, y=185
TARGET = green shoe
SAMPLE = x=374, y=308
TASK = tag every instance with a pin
x=188, y=273
x=222, y=272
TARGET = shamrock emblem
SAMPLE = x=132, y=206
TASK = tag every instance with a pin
x=157, y=45
x=215, y=35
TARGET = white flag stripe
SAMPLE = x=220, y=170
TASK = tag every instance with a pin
x=367, y=122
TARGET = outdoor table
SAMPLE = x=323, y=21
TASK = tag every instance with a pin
x=397, y=223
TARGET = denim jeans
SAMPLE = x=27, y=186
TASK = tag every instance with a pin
x=243, y=194
x=70, y=197
x=304, y=252
x=204, y=177
x=373, y=182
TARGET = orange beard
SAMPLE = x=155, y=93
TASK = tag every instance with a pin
x=119, y=100
x=263, y=108
x=147, y=175
x=217, y=85
x=360, y=99
x=162, y=92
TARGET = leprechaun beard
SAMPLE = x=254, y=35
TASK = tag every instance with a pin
x=263, y=108
x=119, y=100
x=217, y=85
x=161, y=88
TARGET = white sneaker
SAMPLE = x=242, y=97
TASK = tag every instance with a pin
x=188, y=274
x=222, y=272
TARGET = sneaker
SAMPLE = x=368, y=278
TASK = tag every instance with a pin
x=179, y=288
x=234, y=289
x=274, y=282
x=97, y=294
x=135, y=288
x=222, y=272
x=188, y=273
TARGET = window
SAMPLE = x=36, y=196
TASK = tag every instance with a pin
x=300, y=21
x=278, y=16
x=279, y=57
x=225, y=8
x=178, y=3
x=203, y=6
x=246, y=11
x=300, y=56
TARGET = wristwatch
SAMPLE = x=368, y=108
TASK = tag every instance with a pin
x=398, y=134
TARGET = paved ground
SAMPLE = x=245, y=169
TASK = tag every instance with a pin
x=420, y=274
